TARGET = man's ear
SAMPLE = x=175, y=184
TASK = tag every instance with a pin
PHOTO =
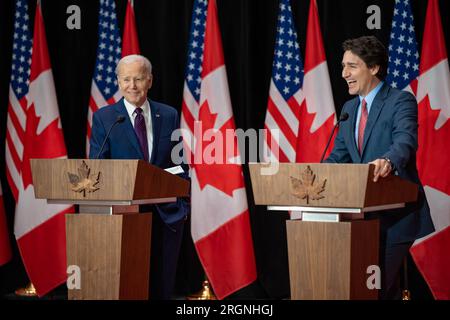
x=150, y=81
x=374, y=70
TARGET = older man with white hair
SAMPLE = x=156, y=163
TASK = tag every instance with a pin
x=144, y=134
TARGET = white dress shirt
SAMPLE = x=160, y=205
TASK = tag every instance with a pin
x=148, y=121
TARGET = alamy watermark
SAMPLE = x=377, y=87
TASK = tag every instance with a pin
x=226, y=147
x=74, y=19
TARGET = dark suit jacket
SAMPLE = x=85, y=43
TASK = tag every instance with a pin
x=122, y=143
x=391, y=131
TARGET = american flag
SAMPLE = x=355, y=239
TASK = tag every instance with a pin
x=220, y=224
x=193, y=79
x=19, y=85
x=195, y=54
x=104, y=89
x=403, y=65
x=287, y=79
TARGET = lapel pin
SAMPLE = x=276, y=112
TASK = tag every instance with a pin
x=157, y=115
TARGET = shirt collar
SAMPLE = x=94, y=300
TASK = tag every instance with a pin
x=371, y=96
x=131, y=107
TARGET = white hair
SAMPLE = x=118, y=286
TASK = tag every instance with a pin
x=135, y=58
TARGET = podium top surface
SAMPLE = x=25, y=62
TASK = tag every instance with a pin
x=81, y=180
x=327, y=185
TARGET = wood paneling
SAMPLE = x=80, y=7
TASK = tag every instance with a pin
x=113, y=253
x=328, y=261
x=135, y=264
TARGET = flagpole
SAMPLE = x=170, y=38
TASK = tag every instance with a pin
x=406, y=294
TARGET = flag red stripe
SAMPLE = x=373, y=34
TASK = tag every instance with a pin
x=273, y=145
x=16, y=124
x=23, y=103
x=88, y=131
x=293, y=103
x=233, y=263
x=92, y=104
x=110, y=101
x=282, y=123
x=13, y=152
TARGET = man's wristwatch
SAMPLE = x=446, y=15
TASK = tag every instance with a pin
x=390, y=163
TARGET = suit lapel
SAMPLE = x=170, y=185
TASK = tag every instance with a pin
x=374, y=113
x=129, y=129
x=156, y=127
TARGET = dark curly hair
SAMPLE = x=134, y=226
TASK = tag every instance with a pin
x=371, y=51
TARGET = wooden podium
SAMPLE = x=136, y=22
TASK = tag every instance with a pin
x=332, y=246
x=109, y=240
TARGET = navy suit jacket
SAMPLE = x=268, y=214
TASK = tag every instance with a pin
x=391, y=131
x=123, y=143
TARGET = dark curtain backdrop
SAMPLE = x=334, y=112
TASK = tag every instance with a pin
x=248, y=34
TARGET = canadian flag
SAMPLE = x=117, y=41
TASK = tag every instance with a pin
x=220, y=218
x=130, y=44
x=317, y=112
x=5, y=247
x=34, y=131
x=431, y=253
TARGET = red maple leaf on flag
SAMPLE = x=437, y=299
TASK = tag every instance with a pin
x=221, y=174
x=432, y=164
x=308, y=142
x=48, y=144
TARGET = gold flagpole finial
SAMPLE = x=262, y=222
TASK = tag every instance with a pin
x=406, y=295
x=206, y=293
x=28, y=291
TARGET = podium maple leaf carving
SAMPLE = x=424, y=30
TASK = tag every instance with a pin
x=82, y=182
x=307, y=187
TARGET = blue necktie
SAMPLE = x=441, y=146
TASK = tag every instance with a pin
x=141, y=131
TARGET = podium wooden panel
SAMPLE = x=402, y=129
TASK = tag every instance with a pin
x=113, y=254
x=329, y=260
x=347, y=186
x=109, y=241
x=118, y=180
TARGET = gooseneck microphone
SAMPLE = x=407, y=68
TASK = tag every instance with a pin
x=119, y=119
x=342, y=118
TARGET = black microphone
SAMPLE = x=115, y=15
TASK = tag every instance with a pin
x=342, y=118
x=119, y=119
